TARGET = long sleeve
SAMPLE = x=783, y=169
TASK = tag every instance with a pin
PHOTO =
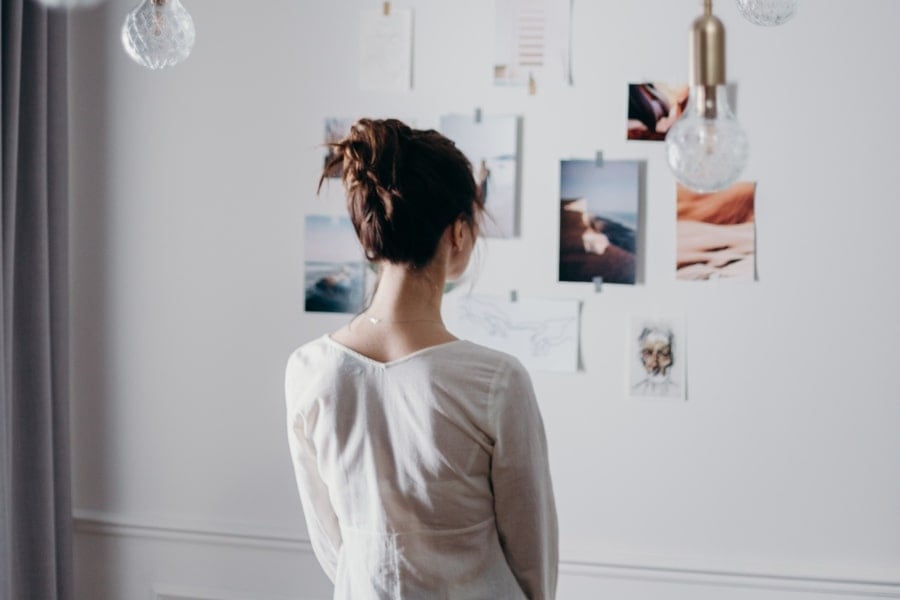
x=524, y=506
x=321, y=520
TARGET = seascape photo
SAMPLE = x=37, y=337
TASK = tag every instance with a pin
x=598, y=222
x=335, y=271
x=491, y=145
x=717, y=234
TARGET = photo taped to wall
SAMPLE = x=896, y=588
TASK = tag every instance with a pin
x=717, y=234
x=653, y=107
x=335, y=278
x=599, y=220
x=491, y=143
x=336, y=129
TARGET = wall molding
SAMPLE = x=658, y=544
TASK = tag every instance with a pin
x=232, y=534
x=168, y=592
x=856, y=588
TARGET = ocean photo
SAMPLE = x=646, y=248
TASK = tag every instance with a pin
x=335, y=271
x=334, y=287
x=598, y=223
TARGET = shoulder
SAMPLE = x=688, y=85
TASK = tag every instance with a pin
x=460, y=368
x=307, y=368
x=500, y=366
x=467, y=352
x=312, y=354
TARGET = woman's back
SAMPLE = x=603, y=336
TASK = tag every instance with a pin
x=420, y=459
x=423, y=477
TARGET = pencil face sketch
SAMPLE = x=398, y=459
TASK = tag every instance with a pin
x=657, y=365
x=656, y=350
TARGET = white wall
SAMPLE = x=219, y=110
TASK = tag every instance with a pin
x=777, y=479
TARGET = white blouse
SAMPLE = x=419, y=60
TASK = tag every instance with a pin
x=424, y=477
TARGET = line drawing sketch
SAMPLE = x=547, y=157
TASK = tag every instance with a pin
x=542, y=334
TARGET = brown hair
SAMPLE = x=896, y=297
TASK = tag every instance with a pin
x=404, y=188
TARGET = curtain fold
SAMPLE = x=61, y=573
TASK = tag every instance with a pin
x=35, y=471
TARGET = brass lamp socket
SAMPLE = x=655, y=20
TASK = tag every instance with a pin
x=707, y=59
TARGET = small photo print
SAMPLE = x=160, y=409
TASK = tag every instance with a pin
x=335, y=279
x=717, y=234
x=653, y=108
x=656, y=358
x=598, y=223
x=335, y=130
x=491, y=145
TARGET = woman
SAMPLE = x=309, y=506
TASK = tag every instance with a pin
x=420, y=458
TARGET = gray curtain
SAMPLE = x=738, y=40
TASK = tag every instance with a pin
x=35, y=477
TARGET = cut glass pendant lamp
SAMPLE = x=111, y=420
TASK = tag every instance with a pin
x=707, y=148
x=767, y=12
x=158, y=33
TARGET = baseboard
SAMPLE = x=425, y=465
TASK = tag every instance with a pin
x=850, y=588
x=169, y=592
x=98, y=523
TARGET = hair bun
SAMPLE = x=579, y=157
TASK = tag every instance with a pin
x=404, y=187
x=371, y=160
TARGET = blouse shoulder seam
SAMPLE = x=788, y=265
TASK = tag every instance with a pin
x=502, y=372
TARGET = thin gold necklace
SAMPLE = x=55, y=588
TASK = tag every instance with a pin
x=379, y=320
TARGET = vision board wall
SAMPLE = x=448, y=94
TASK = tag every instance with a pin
x=778, y=478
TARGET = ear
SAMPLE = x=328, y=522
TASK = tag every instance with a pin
x=457, y=233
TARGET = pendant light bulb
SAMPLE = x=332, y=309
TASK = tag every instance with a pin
x=158, y=33
x=767, y=12
x=707, y=148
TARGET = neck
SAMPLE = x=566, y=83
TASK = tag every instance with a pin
x=406, y=294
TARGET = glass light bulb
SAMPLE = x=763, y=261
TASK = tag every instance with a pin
x=158, y=33
x=767, y=12
x=68, y=3
x=707, y=148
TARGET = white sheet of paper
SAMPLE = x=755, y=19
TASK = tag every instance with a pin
x=385, y=50
x=543, y=334
x=532, y=40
